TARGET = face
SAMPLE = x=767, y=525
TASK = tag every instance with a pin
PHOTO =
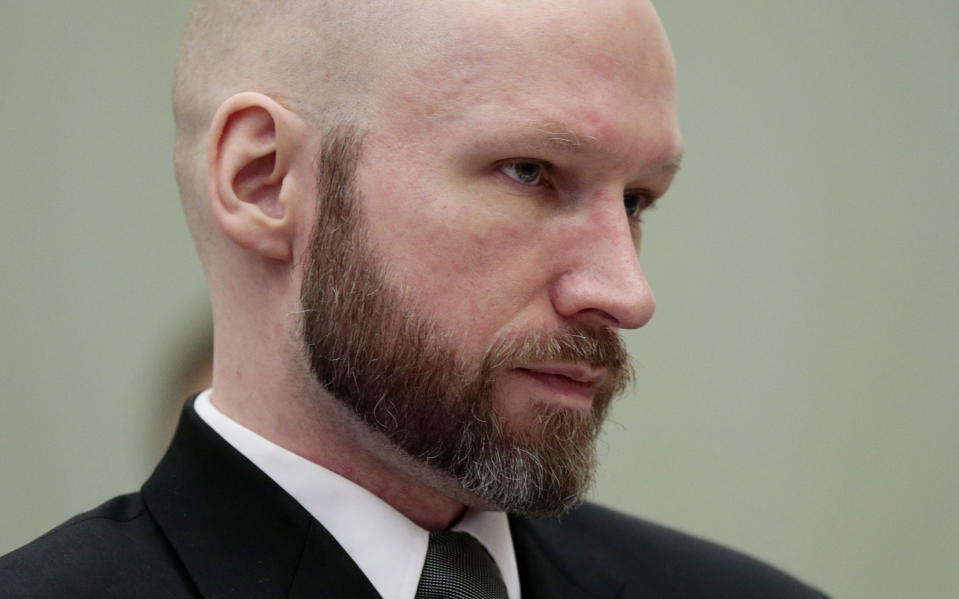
x=401, y=375
x=490, y=253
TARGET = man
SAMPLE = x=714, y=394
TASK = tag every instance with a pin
x=419, y=222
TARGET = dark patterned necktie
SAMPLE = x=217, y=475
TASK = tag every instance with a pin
x=459, y=567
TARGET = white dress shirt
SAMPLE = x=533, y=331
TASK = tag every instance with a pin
x=388, y=547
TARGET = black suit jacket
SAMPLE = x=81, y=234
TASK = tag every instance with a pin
x=208, y=523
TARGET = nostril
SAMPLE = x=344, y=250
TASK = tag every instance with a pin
x=598, y=318
x=609, y=319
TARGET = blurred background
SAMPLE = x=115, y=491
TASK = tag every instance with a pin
x=797, y=393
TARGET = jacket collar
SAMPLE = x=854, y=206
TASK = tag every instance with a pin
x=236, y=532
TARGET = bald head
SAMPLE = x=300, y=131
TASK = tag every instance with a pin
x=316, y=57
x=305, y=53
x=333, y=63
x=319, y=58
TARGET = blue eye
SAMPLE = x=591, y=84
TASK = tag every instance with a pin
x=527, y=173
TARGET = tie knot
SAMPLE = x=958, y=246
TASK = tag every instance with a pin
x=459, y=567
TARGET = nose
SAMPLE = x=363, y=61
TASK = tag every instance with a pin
x=605, y=284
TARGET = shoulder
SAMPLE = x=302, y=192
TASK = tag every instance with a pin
x=659, y=558
x=100, y=553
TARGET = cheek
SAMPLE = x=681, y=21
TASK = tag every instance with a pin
x=472, y=264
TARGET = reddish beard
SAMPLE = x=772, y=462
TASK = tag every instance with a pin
x=401, y=376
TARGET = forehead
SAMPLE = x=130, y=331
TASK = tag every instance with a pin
x=587, y=75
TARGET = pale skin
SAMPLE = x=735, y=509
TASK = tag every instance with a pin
x=486, y=244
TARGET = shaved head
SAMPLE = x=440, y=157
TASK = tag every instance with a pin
x=319, y=58
x=326, y=59
x=305, y=54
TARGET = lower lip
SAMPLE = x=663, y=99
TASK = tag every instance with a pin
x=562, y=385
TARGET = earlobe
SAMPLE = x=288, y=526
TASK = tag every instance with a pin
x=253, y=170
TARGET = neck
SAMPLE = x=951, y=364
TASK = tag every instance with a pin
x=261, y=381
x=302, y=418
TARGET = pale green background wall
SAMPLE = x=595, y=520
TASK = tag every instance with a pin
x=797, y=394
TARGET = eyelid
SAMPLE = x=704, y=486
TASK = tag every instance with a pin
x=647, y=197
x=520, y=160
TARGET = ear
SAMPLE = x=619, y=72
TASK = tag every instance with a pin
x=255, y=171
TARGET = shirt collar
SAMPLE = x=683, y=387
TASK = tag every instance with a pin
x=388, y=547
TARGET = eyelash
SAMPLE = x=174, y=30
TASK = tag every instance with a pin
x=644, y=199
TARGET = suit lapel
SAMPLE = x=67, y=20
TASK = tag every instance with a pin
x=237, y=533
x=544, y=574
x=331, y=573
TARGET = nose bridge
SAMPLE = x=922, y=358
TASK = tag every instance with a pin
x=606, y=280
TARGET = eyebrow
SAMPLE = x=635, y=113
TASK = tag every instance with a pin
x=566, y=138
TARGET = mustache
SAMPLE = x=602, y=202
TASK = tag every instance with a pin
x=598, y=347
